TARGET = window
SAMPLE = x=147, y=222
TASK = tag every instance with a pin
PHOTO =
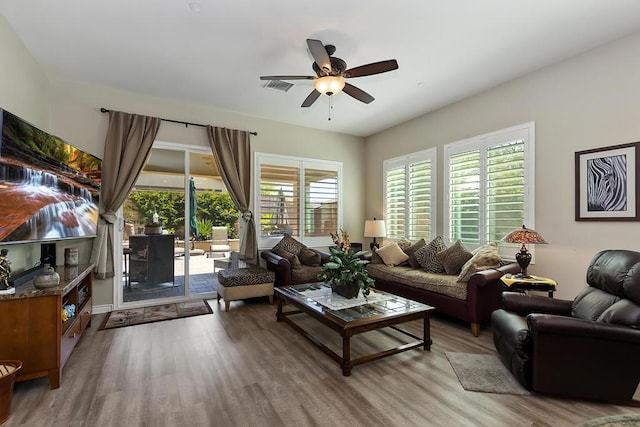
x=489, y=183
x=300, y=197
x=409, y=205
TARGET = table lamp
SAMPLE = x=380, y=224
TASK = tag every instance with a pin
x=525, y=236
x=374, y=228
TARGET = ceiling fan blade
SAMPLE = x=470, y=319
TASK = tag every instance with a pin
x=373, y=68
x=357, y=93
x=287, y=77
x=311, y=99
x=320, y=55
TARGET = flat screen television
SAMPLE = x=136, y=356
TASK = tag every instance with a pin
x=49, y=189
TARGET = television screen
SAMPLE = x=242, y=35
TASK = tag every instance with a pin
x=48, y=189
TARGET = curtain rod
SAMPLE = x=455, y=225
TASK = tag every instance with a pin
x=186, y=124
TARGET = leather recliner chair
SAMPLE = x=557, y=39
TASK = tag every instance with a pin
x=585, y=348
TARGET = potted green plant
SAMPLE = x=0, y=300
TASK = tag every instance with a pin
x=345, y=271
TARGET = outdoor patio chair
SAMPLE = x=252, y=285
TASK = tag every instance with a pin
x=219, y=242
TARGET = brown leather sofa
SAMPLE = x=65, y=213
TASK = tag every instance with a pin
x=585, y=348
x=286, y=275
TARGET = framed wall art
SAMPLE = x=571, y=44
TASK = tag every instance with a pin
x=606, y=183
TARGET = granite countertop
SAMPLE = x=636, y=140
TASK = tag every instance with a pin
x=69, y=277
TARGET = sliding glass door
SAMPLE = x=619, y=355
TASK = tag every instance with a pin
x=166, y=246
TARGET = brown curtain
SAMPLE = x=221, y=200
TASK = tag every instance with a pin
x=127, y=146
x=232, y=151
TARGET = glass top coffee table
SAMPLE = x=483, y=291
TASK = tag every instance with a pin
x=381, y=311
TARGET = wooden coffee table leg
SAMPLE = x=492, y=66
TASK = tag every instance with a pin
x=279, y=312
x=346, y=355
x=427, y=332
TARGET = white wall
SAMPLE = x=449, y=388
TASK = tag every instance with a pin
x=24, y=88
x=75, y=116
x=24, y=91
x=588, y=101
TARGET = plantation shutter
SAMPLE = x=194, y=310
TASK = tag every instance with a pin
x=420, y=212
x=395, y=202
x=505, y=189
x=279, y=200
x=409, y=197
x=321, y=202
x=464, y=197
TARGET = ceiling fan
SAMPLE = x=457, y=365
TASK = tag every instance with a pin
x=331, y=72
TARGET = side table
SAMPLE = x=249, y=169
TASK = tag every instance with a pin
x=531, y=283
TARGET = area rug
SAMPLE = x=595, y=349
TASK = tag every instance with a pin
x=484, y=373
x=156, y=313
x=614, y=421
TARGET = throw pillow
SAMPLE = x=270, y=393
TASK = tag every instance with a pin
x=484, y=257
x=289, y=244
x=309, y=257
x=292, y=258
x=391, y=254
x=454, y=257
x=426, y=256
x=411, y=251
x=404, y=243
x=375, y=258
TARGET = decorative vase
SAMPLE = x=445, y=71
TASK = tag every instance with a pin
x=350, y=290
x=48, y=278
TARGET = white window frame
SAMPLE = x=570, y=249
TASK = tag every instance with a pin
x=302, y=163
x=525, y=131
x=430, y=155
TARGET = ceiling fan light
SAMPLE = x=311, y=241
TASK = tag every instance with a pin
x=329, y=85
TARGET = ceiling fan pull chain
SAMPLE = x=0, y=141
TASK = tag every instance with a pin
x=330, y=107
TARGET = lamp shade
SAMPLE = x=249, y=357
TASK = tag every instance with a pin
x=329, y=85
x=374, y=228
x=524, y=235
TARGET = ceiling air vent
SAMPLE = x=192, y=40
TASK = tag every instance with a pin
x=278, y=85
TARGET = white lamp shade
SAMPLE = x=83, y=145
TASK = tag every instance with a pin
x=374, y=228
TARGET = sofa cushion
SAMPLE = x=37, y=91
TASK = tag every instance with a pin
x=454, y=257
x=391, y=254
x=411, y=251
x=624, y=312
x=485, y=257
x=434, y=282
x=305, y=274
x=292, y=258
x=591, y=303
x=289, y=244
x=309, y=257
x=426, y=256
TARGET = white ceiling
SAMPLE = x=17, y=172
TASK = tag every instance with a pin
x=446, y=49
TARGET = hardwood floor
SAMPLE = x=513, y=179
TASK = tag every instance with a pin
x=242, y=368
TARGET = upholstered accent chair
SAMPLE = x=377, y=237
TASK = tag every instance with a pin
x=585, y=348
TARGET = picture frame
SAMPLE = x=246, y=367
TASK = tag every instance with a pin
x=606, y=187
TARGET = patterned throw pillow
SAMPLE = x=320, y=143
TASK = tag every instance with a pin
x=404, y=243
x=391, y=254
x=485, y=257
x=426, y=256
x=289, y=244
x=411, y=251
x=454, y=257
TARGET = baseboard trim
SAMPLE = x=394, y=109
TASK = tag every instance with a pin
x=100, y=309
